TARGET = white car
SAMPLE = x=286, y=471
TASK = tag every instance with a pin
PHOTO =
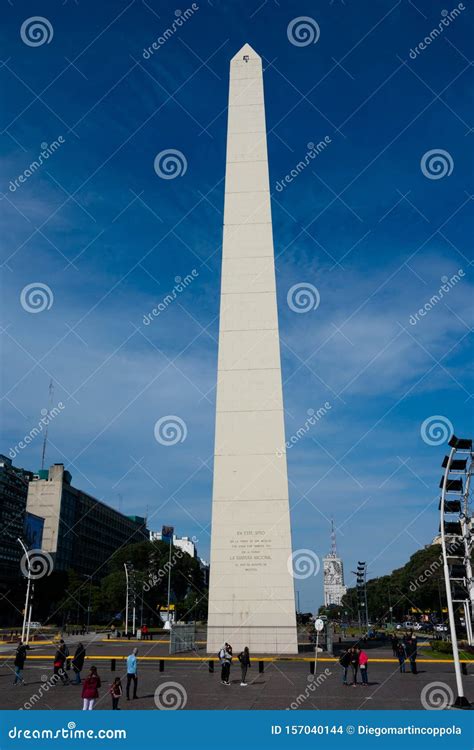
x=441, y=628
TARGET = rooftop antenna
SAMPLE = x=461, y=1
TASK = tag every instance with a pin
x=333, y=539
x=45, y=439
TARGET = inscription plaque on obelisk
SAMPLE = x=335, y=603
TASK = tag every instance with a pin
x=251, y=593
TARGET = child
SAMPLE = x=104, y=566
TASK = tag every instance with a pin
x=116, y=693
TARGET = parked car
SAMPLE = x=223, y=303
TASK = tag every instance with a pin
x=440, y=628
x=408, y=625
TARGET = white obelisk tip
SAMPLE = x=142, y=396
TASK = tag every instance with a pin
x=246, y=51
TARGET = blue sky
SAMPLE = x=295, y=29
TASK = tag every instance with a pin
x=363, y=223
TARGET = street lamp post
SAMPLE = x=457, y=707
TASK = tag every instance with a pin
x=126, y=599
x=27, y=610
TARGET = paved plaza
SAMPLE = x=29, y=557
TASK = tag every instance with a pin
x=186, y=682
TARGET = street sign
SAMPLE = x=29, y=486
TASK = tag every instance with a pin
x=319, y=625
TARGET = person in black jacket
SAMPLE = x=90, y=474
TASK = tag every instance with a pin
x=20, y=658
x=345, y=661
x=244, y=658
x=411, y=649
x=78, y=663
x=60, y=659
x=354, y=664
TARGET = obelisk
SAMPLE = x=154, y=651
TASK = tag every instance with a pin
x=251, y=593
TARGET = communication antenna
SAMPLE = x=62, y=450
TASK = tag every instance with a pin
x=45, y=439
x=333, y=539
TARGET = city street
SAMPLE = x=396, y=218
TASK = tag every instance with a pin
x=187, y=683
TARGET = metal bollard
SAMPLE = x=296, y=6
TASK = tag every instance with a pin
x=211, y=665
x=261, y=667
x=112, y=665
x=464, y=668
x=162, y=665
x=311, y=667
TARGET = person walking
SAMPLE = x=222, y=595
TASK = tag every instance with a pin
x=78, y=663
x=116, y=692
x=394, y=642
x=244, y=658
x=60, y=657
x=225, y=655
x=132, y=673
x=401, y=656
x=354, y=665
x=363, y=661
x=345, y=662
x=19, y=663
x=90, y=690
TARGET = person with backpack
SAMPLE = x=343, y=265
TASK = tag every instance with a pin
x=19, y=663
x=116, y=692
x=345, y=662
x=78, y=663
x=225, y=656
x=244, y=658
x=60, y=659
x=363, y=661
x=90, y=690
